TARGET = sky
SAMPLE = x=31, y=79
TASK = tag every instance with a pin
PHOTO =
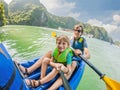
x=102, y=13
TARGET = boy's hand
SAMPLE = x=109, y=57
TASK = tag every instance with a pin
x=58, y=66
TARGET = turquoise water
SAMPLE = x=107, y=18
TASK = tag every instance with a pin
x=28, y=42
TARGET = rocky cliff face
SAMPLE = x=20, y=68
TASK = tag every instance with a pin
x=32, y=12
x=17, y=5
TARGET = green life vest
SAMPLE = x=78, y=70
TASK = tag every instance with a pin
x=62, y=58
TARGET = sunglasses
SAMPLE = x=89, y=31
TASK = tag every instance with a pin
x=78, y=31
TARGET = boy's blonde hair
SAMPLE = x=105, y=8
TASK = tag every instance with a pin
x=64, y=38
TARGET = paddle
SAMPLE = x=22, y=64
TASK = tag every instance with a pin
x=110, y=84
x=64, y=80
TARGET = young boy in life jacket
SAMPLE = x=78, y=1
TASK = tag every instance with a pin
x=62, y=60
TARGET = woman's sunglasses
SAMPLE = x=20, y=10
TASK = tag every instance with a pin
x=78, y=31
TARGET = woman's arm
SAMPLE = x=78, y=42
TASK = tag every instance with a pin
x=86, y=53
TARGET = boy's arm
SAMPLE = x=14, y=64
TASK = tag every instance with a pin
x=69, y=63
x=55, y=65
x=69, y=69
x=52, y=64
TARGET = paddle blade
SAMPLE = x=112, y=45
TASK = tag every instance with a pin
x=111, y=84
x=53, y=34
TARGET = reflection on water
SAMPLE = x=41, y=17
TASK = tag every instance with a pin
x=27, y=42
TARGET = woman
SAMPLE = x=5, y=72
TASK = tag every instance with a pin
x=79, y=43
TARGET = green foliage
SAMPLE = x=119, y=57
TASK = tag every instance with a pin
x=2, y=15
x=64, y=22
x=117, y=43
x=97, y=32
x=5, y=9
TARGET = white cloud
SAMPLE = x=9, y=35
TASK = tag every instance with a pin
x=75, y=15
x=50, y=4
x=108, y=27
x=60, y=7
x=7, y=1
x=116, y=19
x=95, y=22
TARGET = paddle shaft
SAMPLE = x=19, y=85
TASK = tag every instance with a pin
x=110, y=84
x=92, y=66
x=65, y=81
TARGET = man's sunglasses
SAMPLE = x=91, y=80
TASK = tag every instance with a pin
x=78, y=31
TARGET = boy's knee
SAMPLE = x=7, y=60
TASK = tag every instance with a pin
x=49, y=54
x=55, y=70
x=46, y=60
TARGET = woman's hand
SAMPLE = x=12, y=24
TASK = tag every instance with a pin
x=77, y=52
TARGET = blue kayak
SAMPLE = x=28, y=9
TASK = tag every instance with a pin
x=13, y=80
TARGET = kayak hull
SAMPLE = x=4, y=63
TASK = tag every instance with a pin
x=76, y=77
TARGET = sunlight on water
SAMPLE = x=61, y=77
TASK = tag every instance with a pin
x=28, y=42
